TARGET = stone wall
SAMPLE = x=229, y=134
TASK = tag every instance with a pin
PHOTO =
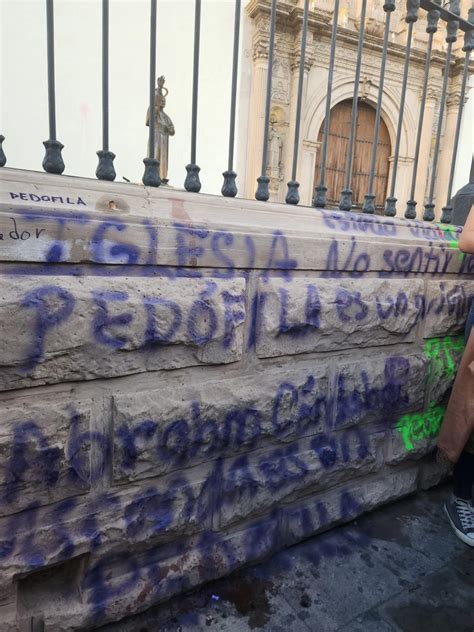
x=190, y=383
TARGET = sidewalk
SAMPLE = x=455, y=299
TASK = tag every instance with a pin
x=398, y=568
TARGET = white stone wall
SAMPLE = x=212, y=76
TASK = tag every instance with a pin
x=190, y=383
x=23, y=73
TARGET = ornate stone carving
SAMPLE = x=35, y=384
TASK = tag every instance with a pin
x=281, y=81
x=365, y=87
x=276, y=146
x=432, y=94
x=373, y=26
x=261, y=37
x=454, y=100
x=310, y=54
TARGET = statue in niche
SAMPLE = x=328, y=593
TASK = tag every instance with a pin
x=365, y=87
x=275, y=152
x=164, y=128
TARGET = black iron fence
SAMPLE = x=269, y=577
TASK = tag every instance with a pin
x=448, y=13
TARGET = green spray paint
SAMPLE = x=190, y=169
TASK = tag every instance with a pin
x=418, y=426
x=450, y=233
x=439, y=352
x=453, y=237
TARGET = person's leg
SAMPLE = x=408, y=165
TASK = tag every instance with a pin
x=469, y=323
x=463, y=476
x=458, y=507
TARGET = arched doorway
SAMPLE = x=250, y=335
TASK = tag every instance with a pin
x=338, y=142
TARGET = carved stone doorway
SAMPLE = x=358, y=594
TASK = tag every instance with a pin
x=338, y=142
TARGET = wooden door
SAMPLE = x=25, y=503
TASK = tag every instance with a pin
x=338, y=142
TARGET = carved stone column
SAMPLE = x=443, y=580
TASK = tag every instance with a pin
x=310, y=149
x=425, y=148
x=446, y=153
x=257, y=105
x=309, y=60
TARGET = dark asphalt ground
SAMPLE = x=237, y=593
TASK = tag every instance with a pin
x=397, y=568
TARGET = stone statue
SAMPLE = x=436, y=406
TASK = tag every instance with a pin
x=275, y=151
x=164, y=128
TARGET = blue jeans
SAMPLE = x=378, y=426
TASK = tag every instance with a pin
x=469, y=323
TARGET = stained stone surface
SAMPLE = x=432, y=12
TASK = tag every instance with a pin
x=188, y=385
x=447, y=306
x=311, y=314
x=57, y=329
x=398, y=569
x=44, y=452
x=188, y=423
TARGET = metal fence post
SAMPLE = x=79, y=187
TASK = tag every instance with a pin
x=3, y=158
x=151, y=175
x=292, y=196
x=229, y=188
x=431, y=28
x=192, y=182
x=262, y=194
x=447, y=211
x=411, y=17
x=105, y=169
x=53, y=161
x=320, y=191
x=369, y=202
x=451, y=29
x=345, y=203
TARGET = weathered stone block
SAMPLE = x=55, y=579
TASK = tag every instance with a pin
x=184, y=423
x=415, y=434
x=108, y=522
x=444, y=355
x=117, y=585
x=381, y=389
x=8, y=607
x=400, y=449
x=211, y=467
x=431, y=473
x=44, y=452
x=447, y=305
x=318, y=512
x=309, y=314
x=58, y=329
x=254, y=482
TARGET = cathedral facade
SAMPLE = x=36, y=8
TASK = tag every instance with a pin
x=284, y=94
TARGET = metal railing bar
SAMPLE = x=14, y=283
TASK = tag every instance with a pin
x=192, y=182
x=151, y=176
x=229, y=188
x=369, y=202
x=262, y=193
x=431, y=28
x=105, y=75
x=53, y=161
x=411, y=18
x=452, y=27
x=292, y=196
x=447, y=211
x=3, y=158
x=319, y=199
x=446, y=214
x=105, y=169
x=345, y=203
x=447, y=15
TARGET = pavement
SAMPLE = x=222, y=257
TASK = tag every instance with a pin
x=397, y=568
